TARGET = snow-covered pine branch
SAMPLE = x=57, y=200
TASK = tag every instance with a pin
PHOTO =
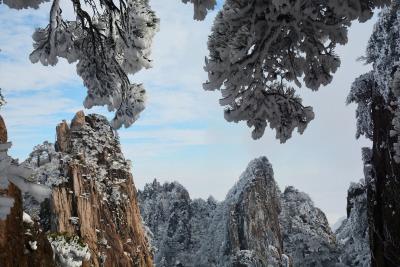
x=253, y=45
x=23, y=4
x=384, y=80
x=109, y=40
x=264, y=41
x=108, y=46
x=361, y=93
x=201, y=7
x=274, y=103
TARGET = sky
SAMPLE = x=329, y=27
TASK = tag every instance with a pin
x=182, y=135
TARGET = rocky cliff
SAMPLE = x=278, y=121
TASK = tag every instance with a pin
x=242, y=230
x=256, y=225
x=22, y=243
x=92, y=217
x=353, y=234
x=307, y=237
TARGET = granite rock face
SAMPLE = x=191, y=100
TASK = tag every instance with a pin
x=242, y=230
x=3, y=131
x=256, y=225
x=307, y=236
x=92, y=217
x=353, y=235
x=22, y=243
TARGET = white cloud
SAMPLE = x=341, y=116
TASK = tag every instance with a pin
x=39, y=109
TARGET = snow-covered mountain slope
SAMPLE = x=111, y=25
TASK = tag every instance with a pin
x=256, y=225
x=92, y=217
x=307, y=237
x=243, y=230
x=352, y=235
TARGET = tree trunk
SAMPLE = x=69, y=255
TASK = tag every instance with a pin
x=384, y=191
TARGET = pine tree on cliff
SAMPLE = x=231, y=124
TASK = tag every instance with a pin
x=378, y=117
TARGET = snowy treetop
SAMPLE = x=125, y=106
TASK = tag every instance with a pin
x=201, y=7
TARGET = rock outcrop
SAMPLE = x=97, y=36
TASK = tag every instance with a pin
x=352, y=235
x=242, y=230
x=22, y=243
x=3, y=131
x=307, y=237
x=92, y=217
x=253, y=227
x=256, y=225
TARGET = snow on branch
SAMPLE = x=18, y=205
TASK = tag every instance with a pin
x=361, y=93
x=201, y=7
x=384, y=80
x=265, y=41
x=108, y=44
x=24, y=4
x=11, y=171
x=274, y=104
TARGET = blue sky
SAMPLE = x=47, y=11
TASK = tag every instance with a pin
x=182, y=135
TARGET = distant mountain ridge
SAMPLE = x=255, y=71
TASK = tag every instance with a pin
x=95, y=217
x=256, y=225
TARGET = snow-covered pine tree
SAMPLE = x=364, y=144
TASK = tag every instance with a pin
x=109, y=40
x=256, y=47
x=378, y=117
x=201, y=7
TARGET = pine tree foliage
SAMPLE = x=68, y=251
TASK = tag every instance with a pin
x=256, y=46
x=201, y=7
x=384, y=80
x=382, y=165
x=361, y=93
x=108, y=41
x=257, y=49
x=383, y=47
x=23, y=4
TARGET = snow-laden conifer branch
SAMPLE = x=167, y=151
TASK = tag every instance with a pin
x=24, y=4
x=276, y=104
x=108, y=46
x=270, y=40
x=201, y=7
x=252, y=42
x=109, y=40
x=383, y=82
x=361, y=93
